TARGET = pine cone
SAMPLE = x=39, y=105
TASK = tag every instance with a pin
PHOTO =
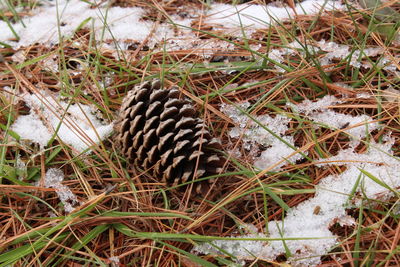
x=160, y=133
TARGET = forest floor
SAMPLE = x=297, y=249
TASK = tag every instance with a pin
x=304, y=97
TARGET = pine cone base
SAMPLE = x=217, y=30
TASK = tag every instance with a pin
x=160, y=133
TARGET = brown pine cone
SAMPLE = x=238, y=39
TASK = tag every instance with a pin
x=160, y=133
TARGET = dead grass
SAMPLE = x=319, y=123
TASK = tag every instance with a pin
x=26, y=209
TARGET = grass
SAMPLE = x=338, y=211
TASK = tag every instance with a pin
x=142, y=221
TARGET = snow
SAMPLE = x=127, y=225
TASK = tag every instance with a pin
x=30, y=127
x=277, y=152
x=281, y=146
x=120, y=28
x=253, y=135
x=53, y=179
x=79, y=128
x=378, y=160
x=44, y=27
x=391, y=94
x=50, y=64
x=313, y=217
x=204, y=48
x=125, y=26
x=20, y=167
x=309, y=107
x=277, y=55
x=340, y=51
x=19, y=57
x=333, y=195
x=114, y=261
x=356, y=127
x=261, y=16
x=389, y=65
x=292, y=48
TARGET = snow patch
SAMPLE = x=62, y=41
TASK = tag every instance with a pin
x=123, y=27
x=357, y=57
x=114, y=23
x=391, y=95
x=309, y=107
x=19, y=57
x=313, y=217
x=278, y=145
x=78, y=126
x=262, y=16
x=20, y=168
x=253, y=135
x=114, y=261
x=53, y=179
x=292, y=48
x=30, y=127
x=356, y=127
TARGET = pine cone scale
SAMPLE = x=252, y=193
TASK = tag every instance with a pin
x=124, y=125
x=165, y=141
x=165, y=127
x=154, y=109
x=150, y=138
x=166, y=157
x=158, y=95
x=151, y=123
x=170, y=112
x=137, y=109
x=183, y=133
x=181, y=146
x=173, y=103
x=137, y=140
x=141, y=95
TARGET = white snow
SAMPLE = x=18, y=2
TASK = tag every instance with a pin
x=261, y=16
x=19, y=57
x=79, y=127
x=20, y=167
x=50, y=64
x=357, y=127
x=292, y=48
x=253, y=135
x=332, y=197
x=114, y=23
x=53, y=179
x=390, y=65
x=114, y=261
x=309, y=107
x=30, y=127
x=126, y=25
x=391, y=94
x=357, y=57
x=277, y=56
x=313, y=217
x=277, y=152
x=205, y=48
x=378, y=160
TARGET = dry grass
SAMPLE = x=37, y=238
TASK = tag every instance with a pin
x=143, y=204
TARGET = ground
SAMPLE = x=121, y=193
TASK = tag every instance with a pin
x=303, y=96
